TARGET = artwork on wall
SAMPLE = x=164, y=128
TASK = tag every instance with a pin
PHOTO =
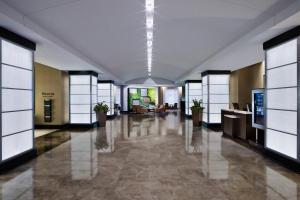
x=145, y=97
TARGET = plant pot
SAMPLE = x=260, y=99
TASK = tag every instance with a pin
x=197, y=117
x=101, y=117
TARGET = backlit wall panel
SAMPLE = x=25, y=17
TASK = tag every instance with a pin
x=282, y=98
x=17, y=100
x=83, y=97
x=215, y=95
x=106, y=94
x=193, y=91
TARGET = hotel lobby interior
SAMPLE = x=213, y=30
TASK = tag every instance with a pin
x=149, y=99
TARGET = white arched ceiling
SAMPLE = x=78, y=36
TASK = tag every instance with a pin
x=189, y=36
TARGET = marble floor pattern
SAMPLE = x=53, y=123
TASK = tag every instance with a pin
x=149, y=157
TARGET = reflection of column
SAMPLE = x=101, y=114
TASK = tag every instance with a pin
x=105, y=140
x=193, y=138
x=124, y=125
x=84, y=159
x=215, y=166
x=20, y=187
x=279, y=186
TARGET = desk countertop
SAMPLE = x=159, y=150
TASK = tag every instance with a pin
x=238, y=111
x=231, y=116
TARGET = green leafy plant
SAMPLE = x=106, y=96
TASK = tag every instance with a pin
x=197, y=105
x=101, y=107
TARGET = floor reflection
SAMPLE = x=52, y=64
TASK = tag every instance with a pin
x=148, y=157
x=105, y=140
x=200, y=140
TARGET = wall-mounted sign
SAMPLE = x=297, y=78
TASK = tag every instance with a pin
x=48, y=94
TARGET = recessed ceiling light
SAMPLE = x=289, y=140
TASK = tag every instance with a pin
x=149, y=5
x=149, y=22
x=149, y=44
x=149, y=35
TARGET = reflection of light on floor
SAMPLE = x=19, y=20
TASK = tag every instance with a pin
x=19, y=187
x=84, y=159
x=41, y=132
x=280, y=186
x=208, y=145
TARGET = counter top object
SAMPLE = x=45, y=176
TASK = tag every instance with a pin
x=245, y=130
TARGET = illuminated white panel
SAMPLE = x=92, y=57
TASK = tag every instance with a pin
x=218, y=99
x=80, y=118
x=13, y=122
x=104, y=93
x=282, y=77
x=218, y=89
x=280, y=120
x=94, y=89
x=104, y=86
x=205, y=90
x=216, y=108
x=205, y=100
x=11, y=74
x=80, y=79
x=204, y=117
x=285, y=99
x=204, y=80
x=195, y=86
x=80, y=99
x=94, y=80
x=195, y=92
x=16, y=55
x=218, y=79
x=16, y=100
x=80, y=109
x=15, y=144
x=281, y=142
x=215, y=118
x=205, y=107
x=105, y=99
x=80, y=89
x=94, y=118
x=94, y=99
x=282, y=55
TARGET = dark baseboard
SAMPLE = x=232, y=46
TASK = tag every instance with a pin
x=214, y=127
x=48, y=126
x=188, y=116
x=82, y=125
x=17, y=161
x=275, y=157
x=285, y=162
x=124, y=112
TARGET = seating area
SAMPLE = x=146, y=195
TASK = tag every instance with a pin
x=138, y=109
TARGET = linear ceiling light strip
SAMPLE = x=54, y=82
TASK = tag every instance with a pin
x=149, y=28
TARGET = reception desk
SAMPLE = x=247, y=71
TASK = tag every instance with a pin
x=243, y=129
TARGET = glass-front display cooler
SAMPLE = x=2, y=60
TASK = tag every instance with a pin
x=258, y=114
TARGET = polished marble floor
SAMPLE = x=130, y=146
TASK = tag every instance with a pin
x=149, y=157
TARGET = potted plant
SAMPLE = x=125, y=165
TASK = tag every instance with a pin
x=101, y=109
x=197, y=112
